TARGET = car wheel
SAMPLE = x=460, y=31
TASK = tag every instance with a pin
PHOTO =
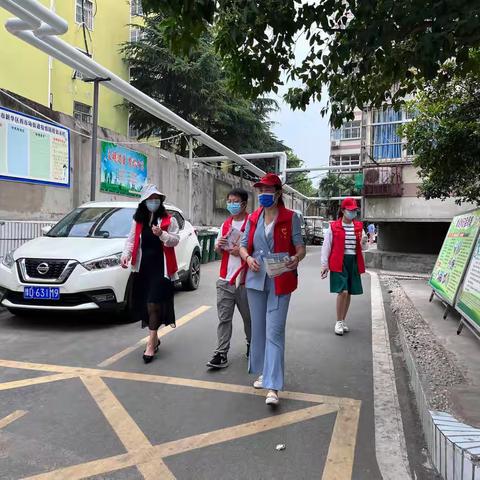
x=193, y=279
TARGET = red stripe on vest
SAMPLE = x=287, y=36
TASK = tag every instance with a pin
x=169, y=252
x=335, y=262
x=226, y=255
x=282, y=238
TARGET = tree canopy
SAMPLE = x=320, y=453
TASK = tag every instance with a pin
x=366, y=52
x=195, y=87
x=445, y=137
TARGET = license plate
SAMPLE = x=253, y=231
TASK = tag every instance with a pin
x=41, y=293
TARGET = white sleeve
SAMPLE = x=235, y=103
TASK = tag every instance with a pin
x=326, y=247
x=128, y=247
x=172, y=237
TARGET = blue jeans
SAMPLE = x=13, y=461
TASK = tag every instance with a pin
x=267, y=349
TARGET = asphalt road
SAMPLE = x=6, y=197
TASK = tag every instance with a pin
x=77, y=401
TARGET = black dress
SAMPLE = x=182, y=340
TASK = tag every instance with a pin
x=152, y=292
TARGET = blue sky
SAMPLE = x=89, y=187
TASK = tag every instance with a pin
x=306, y=133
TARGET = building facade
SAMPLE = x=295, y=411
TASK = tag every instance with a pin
x=98, y=29
x=406, y=222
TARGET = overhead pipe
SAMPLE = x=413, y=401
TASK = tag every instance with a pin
x=43, y=25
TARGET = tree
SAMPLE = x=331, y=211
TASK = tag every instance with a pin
x=335, y=185
x=366, y=52
x=445, y=137
x=195, y=88
x=299, y=180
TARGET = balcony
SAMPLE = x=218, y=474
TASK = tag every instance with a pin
x=382, y=181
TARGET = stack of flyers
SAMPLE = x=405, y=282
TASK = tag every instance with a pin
x=276, y=263
x=233, y=239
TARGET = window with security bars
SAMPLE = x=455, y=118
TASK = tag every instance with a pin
x=136, y=8
x=84, y=13
x=387, y=144
x=345, y=160
x=82, y=112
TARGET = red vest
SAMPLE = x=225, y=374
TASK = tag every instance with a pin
x=282, y=237
x=338, y=246
x=169, y=252
x=226, y=255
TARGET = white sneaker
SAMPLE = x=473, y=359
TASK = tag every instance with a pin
x=345, y=328
x=339, y=328
x=272, y=398
x=258, y=383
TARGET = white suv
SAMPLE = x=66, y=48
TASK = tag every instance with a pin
x=76, y=265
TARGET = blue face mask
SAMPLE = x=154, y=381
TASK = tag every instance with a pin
x=350, y=214
x=153, y=205
x=266, y=200
x=234, y=208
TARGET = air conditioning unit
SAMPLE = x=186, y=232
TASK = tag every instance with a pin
x=383, y=181
x=335, y=143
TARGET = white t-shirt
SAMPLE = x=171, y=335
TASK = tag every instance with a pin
x=350, y=239
x=234, y=263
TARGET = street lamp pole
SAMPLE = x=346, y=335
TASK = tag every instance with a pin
x=93, y=174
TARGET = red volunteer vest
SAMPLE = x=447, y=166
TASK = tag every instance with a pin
x=226, y=255
x=169, y=252
x=338, y=246
x=282, y=237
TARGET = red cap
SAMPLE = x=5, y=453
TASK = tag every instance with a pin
x=349, y=204
x=270, y=180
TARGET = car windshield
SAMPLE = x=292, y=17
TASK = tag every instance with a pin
x=94, y=222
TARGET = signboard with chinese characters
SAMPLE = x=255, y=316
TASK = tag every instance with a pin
x=123, y=171
x=32, y=150
x=453, y=258
x=468, y=303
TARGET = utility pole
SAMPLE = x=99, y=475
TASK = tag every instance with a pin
x=93, y=174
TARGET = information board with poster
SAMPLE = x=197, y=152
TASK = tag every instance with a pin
x=123, y=171
x=468, y=303
x=453, y=258
x=33, y=150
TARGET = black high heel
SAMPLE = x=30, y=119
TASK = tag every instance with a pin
x=149, y=358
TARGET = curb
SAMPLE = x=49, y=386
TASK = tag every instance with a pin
x=453, y=447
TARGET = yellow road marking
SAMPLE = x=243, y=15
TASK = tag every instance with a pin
x=183, y=382
x=175, y=447
x=124, y=426
x=341, y=453
x=164, y=331
x=149, y=459
x=11, y=418
x=35, y=381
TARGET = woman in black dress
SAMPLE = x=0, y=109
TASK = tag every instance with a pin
x=150, y=250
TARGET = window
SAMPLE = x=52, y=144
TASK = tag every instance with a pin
x=134, y=34
x=387, y=144
x=84, y=13
x=345, y=160
x=348, y=131
x=136, y=8
x=132, y=131
x=82, y=112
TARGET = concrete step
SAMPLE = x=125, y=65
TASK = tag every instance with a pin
x=398, y=261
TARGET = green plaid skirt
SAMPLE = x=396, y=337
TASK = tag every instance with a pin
x=347, y=280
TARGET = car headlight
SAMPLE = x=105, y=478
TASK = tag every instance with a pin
x=103, y=262
x=8, y=259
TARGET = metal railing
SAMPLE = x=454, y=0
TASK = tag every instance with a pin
x=14, y=233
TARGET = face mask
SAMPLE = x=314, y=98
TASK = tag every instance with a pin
x=153, y=205
x=350, y=214
x=266, y=200
x=234, y=208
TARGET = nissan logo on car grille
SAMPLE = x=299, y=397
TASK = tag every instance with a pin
x=43, y=268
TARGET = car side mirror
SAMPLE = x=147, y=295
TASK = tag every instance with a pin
x=46, y=229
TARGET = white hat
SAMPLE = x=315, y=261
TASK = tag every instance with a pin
x=149, y=189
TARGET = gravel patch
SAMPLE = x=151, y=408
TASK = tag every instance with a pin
x=436, y=366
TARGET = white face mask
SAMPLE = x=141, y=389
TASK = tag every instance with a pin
x=153, y=205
